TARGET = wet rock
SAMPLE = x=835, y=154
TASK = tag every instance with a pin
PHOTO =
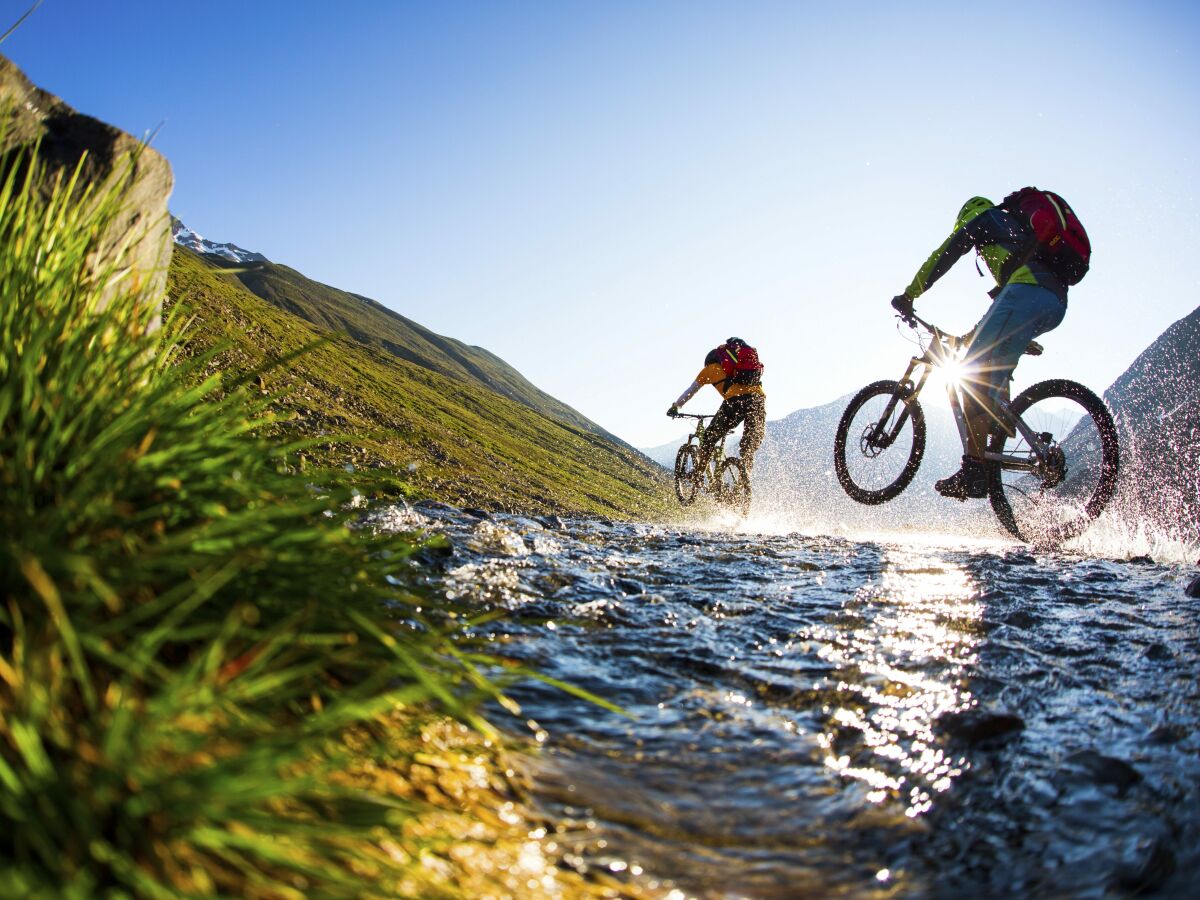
x=1158, y=652
x=435, y=509
x=1106, y=770
x=1140, y=561
x=436, y=506
x=1021, y=619
x=434, y=554
x=1156, y=867
x=477, y=513
x=552, y=522
x=1193, y=589
x=1171, y=733
x=628, y=587
x=974, y=726
x=521, y=524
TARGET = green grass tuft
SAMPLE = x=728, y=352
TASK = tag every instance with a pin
x=198, y=652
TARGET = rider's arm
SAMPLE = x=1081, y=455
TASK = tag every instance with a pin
x=710, y=374
x=688, y=394
x=939, y=263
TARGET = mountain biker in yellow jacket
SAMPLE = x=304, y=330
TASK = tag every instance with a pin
x=735, y=371
x=1029, y=300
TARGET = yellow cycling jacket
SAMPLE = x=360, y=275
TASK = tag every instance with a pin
x=714, y=374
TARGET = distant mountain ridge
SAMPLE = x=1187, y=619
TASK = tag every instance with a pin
x=185, y=237
x=374, y=325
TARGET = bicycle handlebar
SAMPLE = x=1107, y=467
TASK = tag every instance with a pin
x=913, y=320
x=680, y=415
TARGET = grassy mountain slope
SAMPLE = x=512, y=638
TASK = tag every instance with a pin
x=443, y=436
x=374, y=325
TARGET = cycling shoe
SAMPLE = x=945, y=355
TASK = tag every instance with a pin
x=968, y=483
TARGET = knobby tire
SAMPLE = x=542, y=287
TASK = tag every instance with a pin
x=687, y=479
x=737, y=497
x=915, y=421
x=1005, y=497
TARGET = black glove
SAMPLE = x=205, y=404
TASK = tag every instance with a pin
x=902, y=305
x=673, y=411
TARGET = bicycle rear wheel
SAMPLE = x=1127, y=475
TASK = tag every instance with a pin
x=687, y=479
x=734, y=486
x=1049, y=502
x=880, y=442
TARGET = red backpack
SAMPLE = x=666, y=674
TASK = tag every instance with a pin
x=747, y=369
x=1059, y=238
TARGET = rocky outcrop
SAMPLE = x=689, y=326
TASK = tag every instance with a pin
x=1156, y=405
x=29, y=115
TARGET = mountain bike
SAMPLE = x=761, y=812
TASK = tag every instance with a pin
x=724, y=477
x=1052, y=456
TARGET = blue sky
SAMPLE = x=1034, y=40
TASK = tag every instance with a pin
x=601, y=192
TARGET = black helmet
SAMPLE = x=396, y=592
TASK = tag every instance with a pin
x=734, y=342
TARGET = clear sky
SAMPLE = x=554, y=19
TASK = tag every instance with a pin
x=602, y=192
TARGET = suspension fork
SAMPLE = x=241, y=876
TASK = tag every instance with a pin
x=907, y=391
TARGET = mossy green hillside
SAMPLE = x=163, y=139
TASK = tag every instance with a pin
x=433, y=434
x=374, y=325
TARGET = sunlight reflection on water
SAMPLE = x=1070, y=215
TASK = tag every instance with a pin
x=905, y=666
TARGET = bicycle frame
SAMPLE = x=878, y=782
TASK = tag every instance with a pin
x=943, y=350
x=711, y=481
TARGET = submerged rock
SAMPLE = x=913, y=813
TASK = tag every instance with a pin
x=1193, y=589
x=1106, y=769
x=1157, y=652
x=1157, y=865
x=1168, y=734
x=437, y=510
x=975, y=726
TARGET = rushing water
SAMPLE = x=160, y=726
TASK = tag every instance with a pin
x=833, y=716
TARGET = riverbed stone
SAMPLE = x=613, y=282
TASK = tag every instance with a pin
x=1106, y=769
x=142, y=176
x=974, y=726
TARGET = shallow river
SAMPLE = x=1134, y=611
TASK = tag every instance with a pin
x=818, y=716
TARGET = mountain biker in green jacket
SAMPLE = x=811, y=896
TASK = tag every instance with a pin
x=1029, y=300
x=735, y=371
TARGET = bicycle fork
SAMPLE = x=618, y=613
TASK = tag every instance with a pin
x=882, y=437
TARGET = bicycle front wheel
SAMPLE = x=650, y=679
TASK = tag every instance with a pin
x=880, y=442
x=734, y=486
x=1048, y=501
x=687, y=479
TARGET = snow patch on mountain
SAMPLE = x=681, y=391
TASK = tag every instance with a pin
x=185, y=237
